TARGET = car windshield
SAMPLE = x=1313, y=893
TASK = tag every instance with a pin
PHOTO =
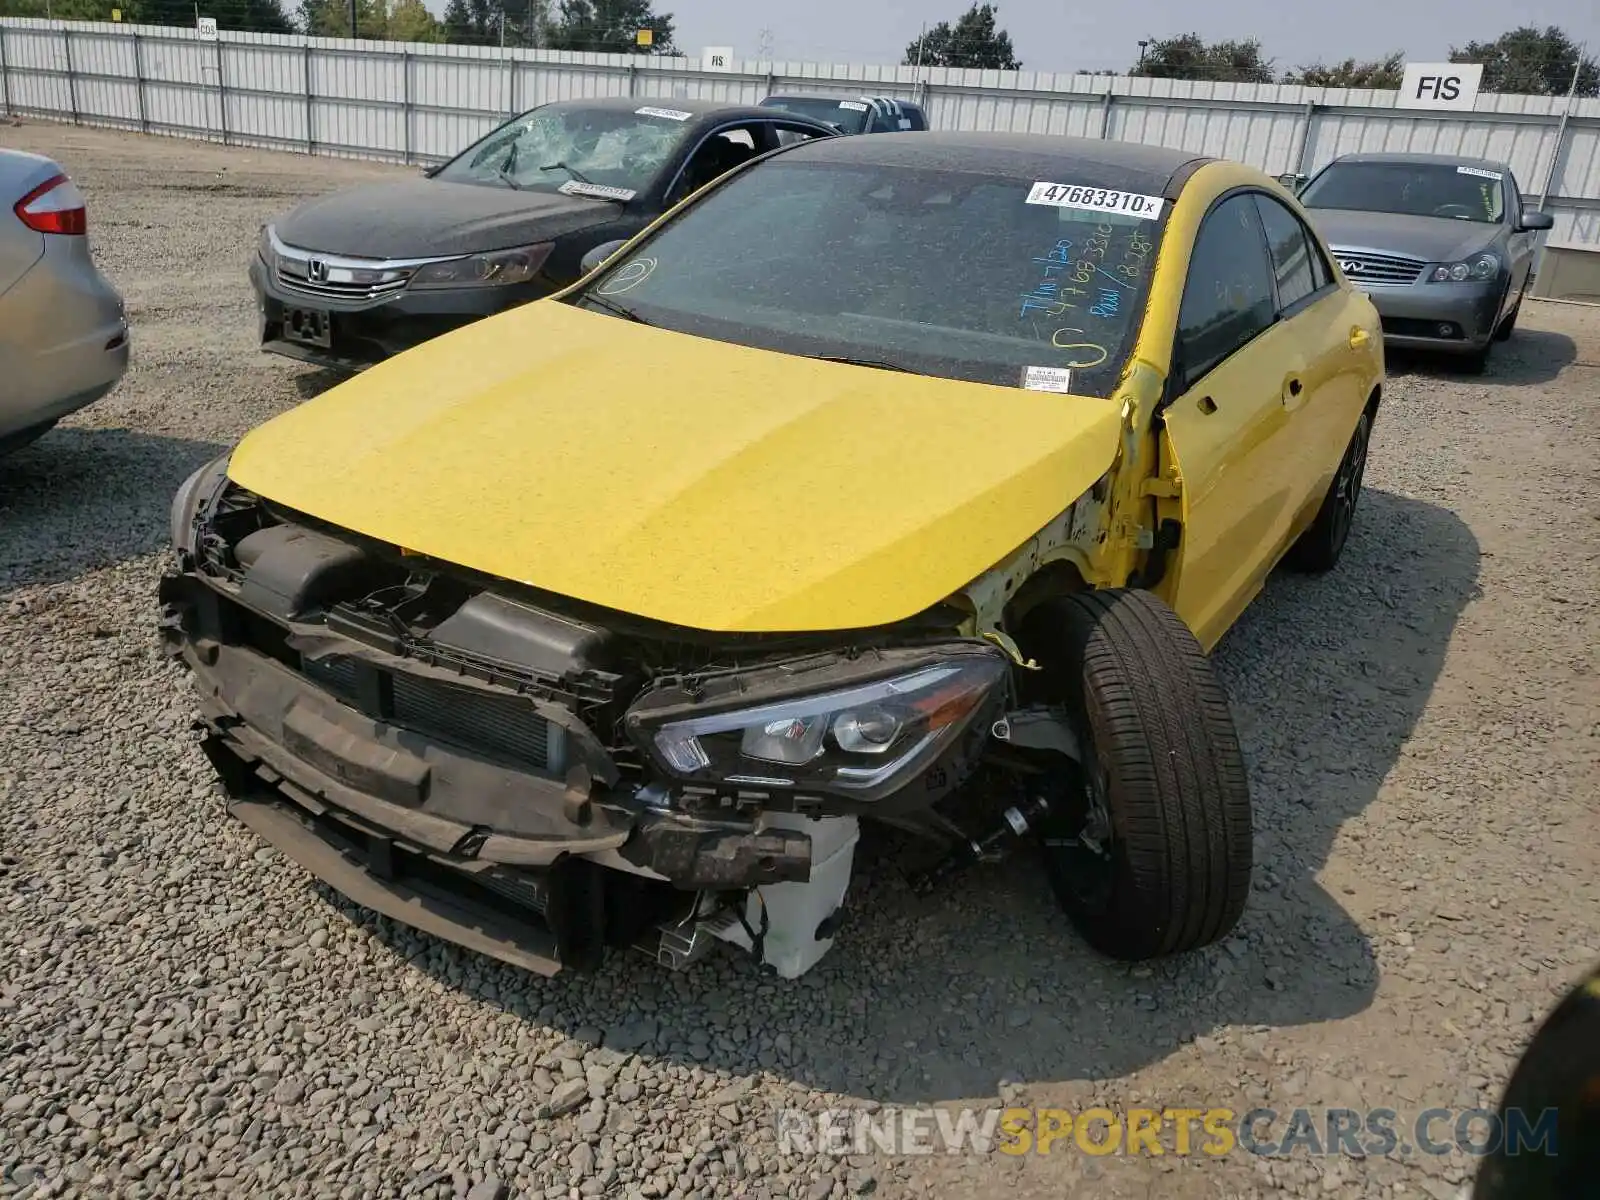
x=1464, y=193
x=582, y=151
x=939, y=272
x=848, y=115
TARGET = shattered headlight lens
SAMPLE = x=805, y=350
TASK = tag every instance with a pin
x=493, y=268
x=863, y=740
x=1478, y=267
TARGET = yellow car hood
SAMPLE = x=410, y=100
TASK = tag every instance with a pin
x=687, y=480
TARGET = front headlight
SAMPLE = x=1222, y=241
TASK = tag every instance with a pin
x=862, y=740
x=1478, y=267
x=192, y=493
x=493, y=268
x=264, y=248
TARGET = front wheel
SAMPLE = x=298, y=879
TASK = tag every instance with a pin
x=1150, y=852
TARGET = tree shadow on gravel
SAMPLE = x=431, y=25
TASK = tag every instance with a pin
x=1531, y=356
x=81, y=499
x=930, y=1000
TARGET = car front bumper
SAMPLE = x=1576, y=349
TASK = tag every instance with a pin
x=542, y=869
x=362, y=333
x=1452, y=317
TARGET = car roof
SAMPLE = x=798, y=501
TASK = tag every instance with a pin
x=1433, y=160
x=701, y=109
x=1034, y=157
x=835, y=99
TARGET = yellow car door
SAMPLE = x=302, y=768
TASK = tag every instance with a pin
x=1328, y=324
x=1229, y=430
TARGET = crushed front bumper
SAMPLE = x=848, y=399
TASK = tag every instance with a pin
x=538, y=869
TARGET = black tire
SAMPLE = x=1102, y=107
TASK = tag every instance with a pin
x=1502, y=332
x=1319, y=547
x=1161, y=757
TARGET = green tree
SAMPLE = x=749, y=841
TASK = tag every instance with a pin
x=254, y=16
x=473, y=22
x=610, y=26
x=1531, y=62
x=975, y=40
x=1379, y=73
x=1189, y=56
x=380, y=20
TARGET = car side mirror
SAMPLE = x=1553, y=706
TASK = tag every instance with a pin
x=1533, y=221
x=597, y=257
x=1293, y=181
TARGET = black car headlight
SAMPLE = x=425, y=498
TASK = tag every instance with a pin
x=1477, y=268
x=861, y=737
x=492, y=268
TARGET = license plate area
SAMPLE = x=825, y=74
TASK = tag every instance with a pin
x=310, y=326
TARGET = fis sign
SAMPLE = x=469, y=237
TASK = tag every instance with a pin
x=1452, y=86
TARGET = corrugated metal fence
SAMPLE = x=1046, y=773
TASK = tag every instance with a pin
x=414, y=102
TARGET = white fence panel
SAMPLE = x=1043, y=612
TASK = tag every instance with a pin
x=423, y=103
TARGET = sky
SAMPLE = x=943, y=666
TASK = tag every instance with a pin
x=1056, y=35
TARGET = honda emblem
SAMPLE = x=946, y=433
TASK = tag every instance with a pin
x=316, y=270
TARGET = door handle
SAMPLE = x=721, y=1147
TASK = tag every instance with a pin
x=1359, y=338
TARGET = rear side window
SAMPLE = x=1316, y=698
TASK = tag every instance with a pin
x=1295, y=257
x=1227, y=298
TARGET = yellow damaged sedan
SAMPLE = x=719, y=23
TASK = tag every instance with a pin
x=905, y=479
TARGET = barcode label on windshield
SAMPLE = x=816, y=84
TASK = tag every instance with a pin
x=666, y=114
x=600, y=191
x=1480, y=173
x=1047, y=379
x=1069, y=195
x=853, y=105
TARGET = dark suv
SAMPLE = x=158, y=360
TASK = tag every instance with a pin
x=862, y=114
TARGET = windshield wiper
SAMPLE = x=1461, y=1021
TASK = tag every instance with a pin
x=848, y=360
x=575, y=173
x=509, y=166
x=611, y=306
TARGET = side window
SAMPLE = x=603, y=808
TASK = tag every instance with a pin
x=1295, y=257
x=788, y=136
x=1227, y=298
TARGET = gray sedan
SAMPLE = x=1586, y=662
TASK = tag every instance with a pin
x=1441, y=244
x=63, y=332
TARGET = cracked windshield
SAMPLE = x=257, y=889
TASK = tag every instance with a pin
x=610, y=153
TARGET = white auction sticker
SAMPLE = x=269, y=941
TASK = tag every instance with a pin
x=666, y=114
x=1480, y=173
x=853, y=105
x=576, y=187
x=1071, y=195
x=1047, y=379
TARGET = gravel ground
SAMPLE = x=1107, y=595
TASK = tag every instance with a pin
x=182, y=1011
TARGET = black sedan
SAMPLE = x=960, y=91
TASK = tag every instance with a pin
x=353, y=277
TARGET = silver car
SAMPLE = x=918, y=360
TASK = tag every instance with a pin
x=63, y=329
x=1442, y=244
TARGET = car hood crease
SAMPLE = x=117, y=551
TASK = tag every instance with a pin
x=423, y=217
x=681, y=479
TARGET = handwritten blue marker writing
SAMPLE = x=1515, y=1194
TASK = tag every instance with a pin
x=1107, y=304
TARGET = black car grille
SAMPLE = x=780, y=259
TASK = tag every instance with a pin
x=507, y=727
x=1362, y=267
